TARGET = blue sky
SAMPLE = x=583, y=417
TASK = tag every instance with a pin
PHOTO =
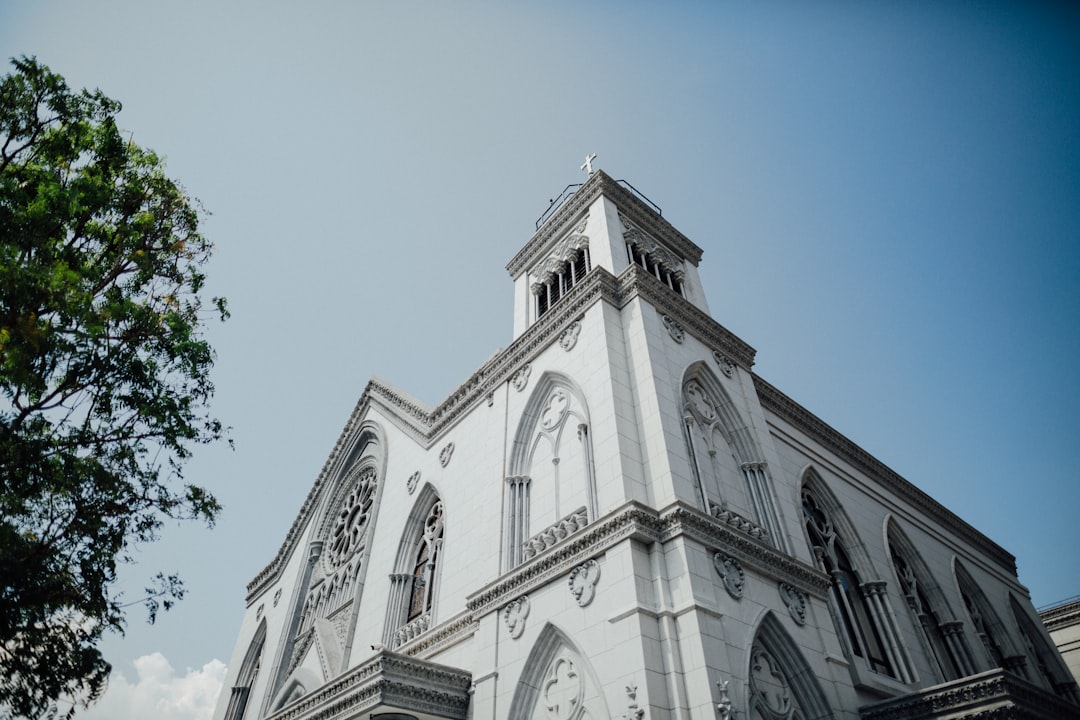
x=886, y=194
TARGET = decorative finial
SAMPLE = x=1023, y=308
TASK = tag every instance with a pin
x=587, y=165
x=725, y=707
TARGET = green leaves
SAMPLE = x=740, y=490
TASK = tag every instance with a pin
x=104, y=377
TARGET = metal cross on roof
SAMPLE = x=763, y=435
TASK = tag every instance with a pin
x=587, y=165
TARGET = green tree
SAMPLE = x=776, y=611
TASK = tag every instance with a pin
x=104, y=379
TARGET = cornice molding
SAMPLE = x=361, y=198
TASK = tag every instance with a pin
x=992, y=694
x=681, y=519
x=601, y=184
x=643, y=523
x=391, y=681
x=635, y=282
x=443, y=635
x=779, y=404
x=1065, y=615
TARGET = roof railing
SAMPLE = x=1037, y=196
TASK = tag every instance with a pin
x=569, y=190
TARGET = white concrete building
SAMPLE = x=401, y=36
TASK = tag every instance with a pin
x=616, y=518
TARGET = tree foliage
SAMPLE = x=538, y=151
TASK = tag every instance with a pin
x=104, y=378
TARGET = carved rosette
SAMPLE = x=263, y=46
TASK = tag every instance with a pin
x=726, y=366
x=521, y=377
x=732, y=574
x=445, y=453
x=412, y=482
x=277, y=597
x=568, y=337
x=674, y=329
x=514, y=615
x=583, y=581
x=795, y=600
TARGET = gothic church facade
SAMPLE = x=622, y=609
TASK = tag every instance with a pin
x=616, y=517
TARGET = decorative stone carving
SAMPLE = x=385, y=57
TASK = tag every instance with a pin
x=568, y=337
x=347, y=534
x=731, y=572
x=700, y=402
x=259, y=612
x=795, y=600
x=554, y=409
x=737, y=521
x=633, y=712
x=583, y=581
x=768, y=685
x=562, y=690
x=724, y=706
x=412, y=482
x=521, y=377
x=445, y=453
x=490, y=399
x=514, y=615
x=412, y=629
x=553, y=534
x=277, y=597
x=726, y=366
x=674, y=329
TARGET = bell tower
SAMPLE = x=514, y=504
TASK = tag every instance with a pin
x=599, y=223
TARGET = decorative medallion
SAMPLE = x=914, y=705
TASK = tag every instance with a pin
x=554, y=409
x=514, y=614
x=732, y=574
x=583, y=582
x=562, y=690
x=568, y=337
x=795, y=600
x=277, y=597
x=259, y=612
x=726, y=366
x=413, y=480
x=347, y=534
x=674, y=328
x=521, y=377
x=445, y=453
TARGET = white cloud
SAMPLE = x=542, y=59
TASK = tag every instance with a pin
x=159, y=693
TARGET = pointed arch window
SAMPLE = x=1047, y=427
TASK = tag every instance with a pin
x=240, y=697
x=1046, y=661
x=862, y=608
x=988, y=626
x=427, y=558
x=942, y=635
x=414, y=586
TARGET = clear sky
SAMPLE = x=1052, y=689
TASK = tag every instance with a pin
x=887, y=194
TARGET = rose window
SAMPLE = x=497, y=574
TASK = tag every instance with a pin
x=347, y=535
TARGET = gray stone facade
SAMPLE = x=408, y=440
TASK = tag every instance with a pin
x=615, y=517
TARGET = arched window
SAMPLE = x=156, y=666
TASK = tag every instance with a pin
x=1000, y=648
x=942, y=634
x=1044, y=658
x=249, y=673
x=427, y=557
x=862, y=607
x=414, y=587
x=551, y=487
x=725, y=459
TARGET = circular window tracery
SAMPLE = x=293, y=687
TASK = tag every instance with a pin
x=351, y=520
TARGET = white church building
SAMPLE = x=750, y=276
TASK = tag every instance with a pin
x=615, y=517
